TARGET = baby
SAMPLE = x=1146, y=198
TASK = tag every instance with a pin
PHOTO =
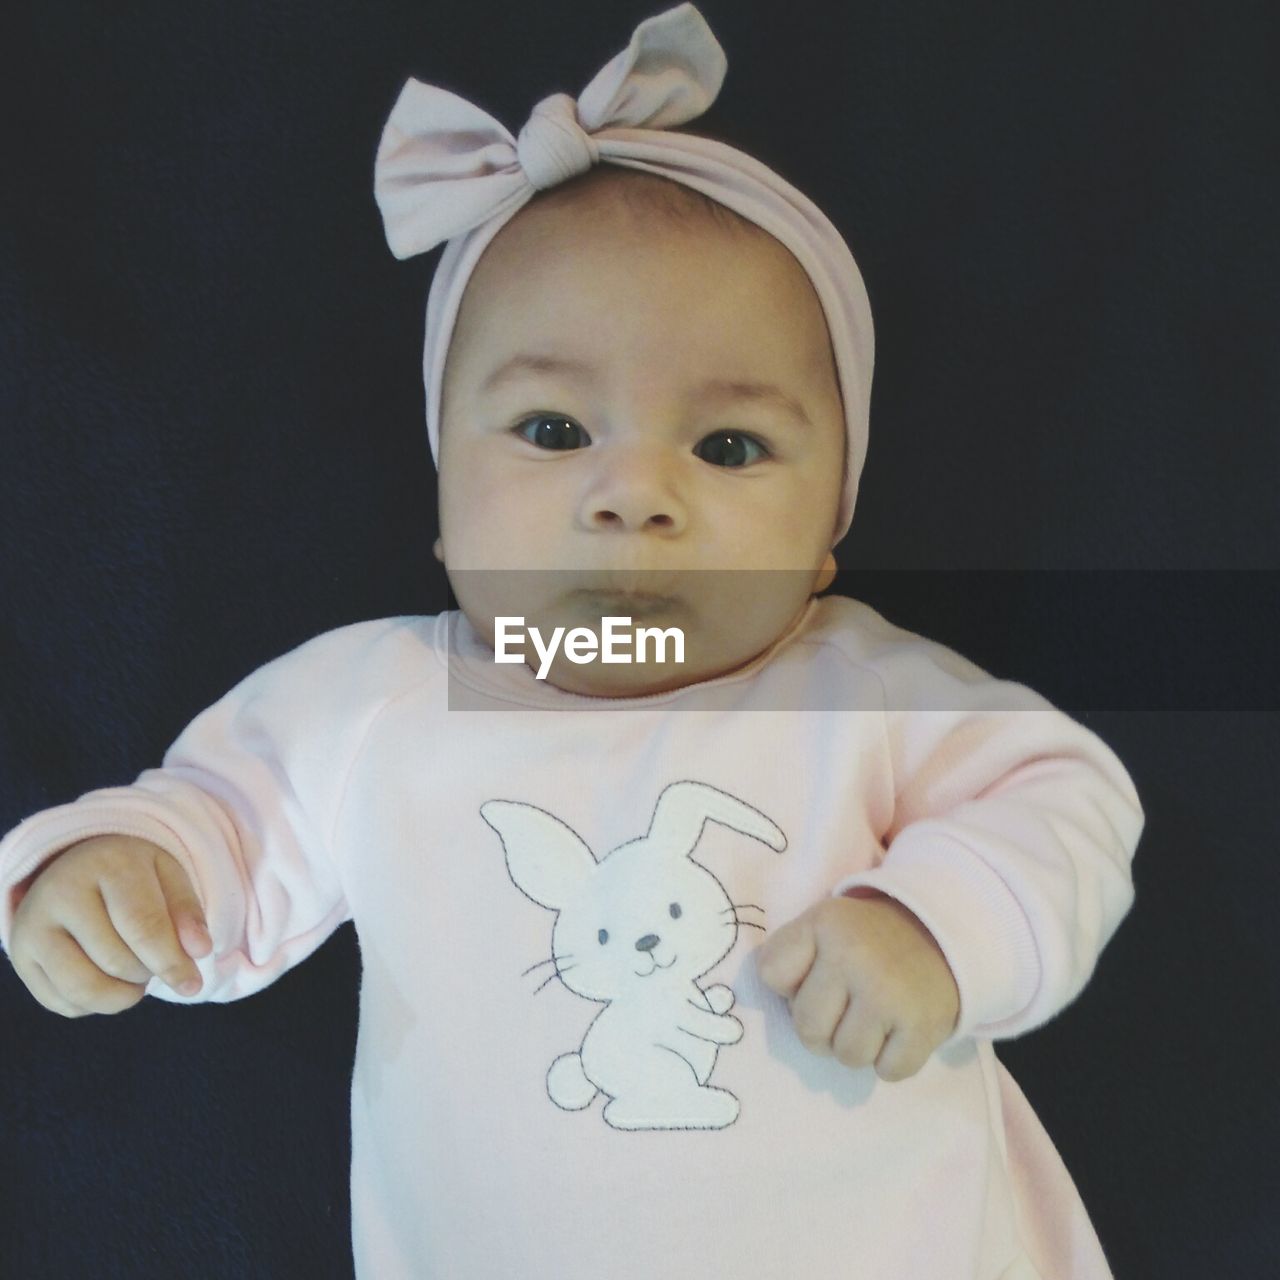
x=776, y=895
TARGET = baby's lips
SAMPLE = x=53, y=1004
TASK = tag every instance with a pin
x=632, y=604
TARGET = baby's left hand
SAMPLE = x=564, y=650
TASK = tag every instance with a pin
x=865, y=981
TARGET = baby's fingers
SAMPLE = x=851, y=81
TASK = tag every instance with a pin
x=859, y=1039
x=785, y=957
x=141, y=914
x=904, y=1053
x=184, y=907
x=864, y=1037
x=816, y=1009
x=39, y=984
x=89, y=924
x=77, y=981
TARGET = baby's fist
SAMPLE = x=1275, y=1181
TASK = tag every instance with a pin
x=865, y=981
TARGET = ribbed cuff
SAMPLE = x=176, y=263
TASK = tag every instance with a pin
x=973, y=916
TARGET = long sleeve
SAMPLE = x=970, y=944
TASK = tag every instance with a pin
x=246, y=800
x=1013, y=830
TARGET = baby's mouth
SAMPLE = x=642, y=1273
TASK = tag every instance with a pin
x=656, y=967
x=620, y=602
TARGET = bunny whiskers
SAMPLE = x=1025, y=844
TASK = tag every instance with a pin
x=738, y=920
x=555, y=960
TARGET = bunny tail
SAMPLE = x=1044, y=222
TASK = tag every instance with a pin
x=567, y=1083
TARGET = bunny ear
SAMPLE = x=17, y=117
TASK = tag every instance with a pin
x=546, y=859
x=683, y=809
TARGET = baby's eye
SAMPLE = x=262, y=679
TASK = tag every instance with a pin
x=550, y=431
x=730, y=449
x=675, y=911
x=603, y=936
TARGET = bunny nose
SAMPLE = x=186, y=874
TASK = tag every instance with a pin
x=648, y=942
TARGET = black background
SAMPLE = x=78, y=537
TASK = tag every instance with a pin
x=213, y=448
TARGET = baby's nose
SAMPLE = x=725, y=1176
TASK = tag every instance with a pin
x=606, y=518
x=647, y=943
x=635, y=491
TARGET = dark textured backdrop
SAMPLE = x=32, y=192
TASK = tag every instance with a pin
x=211, y=421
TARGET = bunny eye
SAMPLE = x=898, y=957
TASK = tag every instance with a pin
x=603, y=935
x=675, y=910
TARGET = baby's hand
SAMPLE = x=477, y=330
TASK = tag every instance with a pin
x=865, y=981
x=101, y=918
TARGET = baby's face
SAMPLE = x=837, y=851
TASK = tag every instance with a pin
x=599, y=428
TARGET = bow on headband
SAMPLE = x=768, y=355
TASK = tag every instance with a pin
x=445, y=166
x=448, y=171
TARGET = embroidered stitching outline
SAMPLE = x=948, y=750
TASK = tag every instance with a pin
x=634, y=931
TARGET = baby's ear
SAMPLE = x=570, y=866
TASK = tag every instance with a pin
x=546, y=859
x=826, y=575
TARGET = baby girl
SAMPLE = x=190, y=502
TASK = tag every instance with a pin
x=684, y=967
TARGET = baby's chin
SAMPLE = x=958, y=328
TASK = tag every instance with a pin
x=633, y=680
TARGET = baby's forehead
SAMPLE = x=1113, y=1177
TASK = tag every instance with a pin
x=612, y=214
x=661, y=202
x=613, y=208
x=708, y=293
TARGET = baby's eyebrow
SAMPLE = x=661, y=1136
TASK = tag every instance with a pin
x=517, y=365
x=714, y=389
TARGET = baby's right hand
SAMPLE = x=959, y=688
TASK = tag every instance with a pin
x=100, y=919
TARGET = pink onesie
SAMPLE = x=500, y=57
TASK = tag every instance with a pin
x=567, y=1067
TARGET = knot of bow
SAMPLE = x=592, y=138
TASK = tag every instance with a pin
x=445, y=166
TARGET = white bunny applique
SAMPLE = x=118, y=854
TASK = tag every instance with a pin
x=634, y=932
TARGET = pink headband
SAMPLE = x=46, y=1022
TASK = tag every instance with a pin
x=446, y=170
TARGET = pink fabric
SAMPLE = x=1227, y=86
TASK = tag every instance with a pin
x=376, y=774
x=448, y=171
